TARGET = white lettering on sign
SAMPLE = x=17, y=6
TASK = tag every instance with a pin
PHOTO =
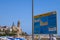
x=36, y=20
x=52, y=29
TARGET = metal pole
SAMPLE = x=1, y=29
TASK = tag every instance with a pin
x=39, y=37
x=32, y=20
x=50, y=35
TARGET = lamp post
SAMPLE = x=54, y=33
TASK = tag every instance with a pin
x=32, y=19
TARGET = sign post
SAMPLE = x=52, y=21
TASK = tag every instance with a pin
x=39, y=37
x=51, y=36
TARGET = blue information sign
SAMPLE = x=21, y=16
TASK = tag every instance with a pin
x=45, y=23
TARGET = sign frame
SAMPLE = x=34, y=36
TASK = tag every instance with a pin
x=46, y=14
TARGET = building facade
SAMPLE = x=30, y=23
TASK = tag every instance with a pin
x=13, y=29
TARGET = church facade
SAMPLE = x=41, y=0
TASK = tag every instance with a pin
x=13, y=29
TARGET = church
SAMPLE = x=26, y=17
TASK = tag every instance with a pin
x=17, y=29
x=13, y=30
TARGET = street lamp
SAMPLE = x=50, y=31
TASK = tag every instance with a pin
x=32, y=19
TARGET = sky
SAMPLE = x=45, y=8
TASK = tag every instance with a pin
x=14, y=10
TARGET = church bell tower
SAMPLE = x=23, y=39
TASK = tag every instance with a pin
x=19, y=32
x=18, y=24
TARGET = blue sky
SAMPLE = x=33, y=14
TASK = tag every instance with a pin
x=14, y=10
